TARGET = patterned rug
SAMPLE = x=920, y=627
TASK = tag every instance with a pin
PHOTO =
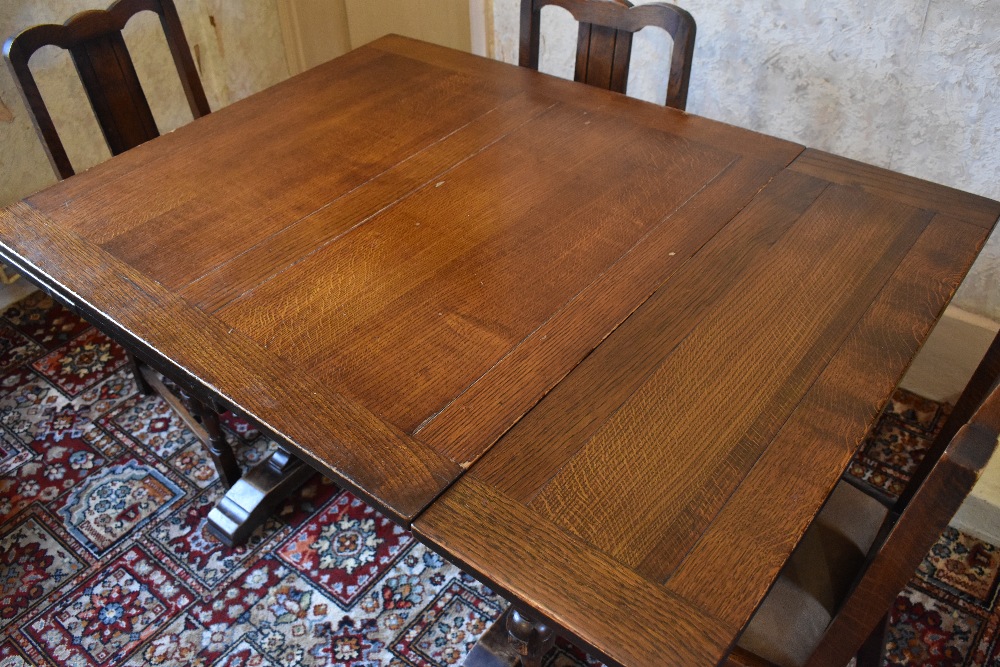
x=104, y=559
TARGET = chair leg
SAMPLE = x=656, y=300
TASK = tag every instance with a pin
x=533, y=639
x=872, y=652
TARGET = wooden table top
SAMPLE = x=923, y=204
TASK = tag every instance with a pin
x=651, y=339
x=647, y=503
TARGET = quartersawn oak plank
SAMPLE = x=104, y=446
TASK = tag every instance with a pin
x=571, y=413
x=709, y=132
x=327, y=224
x=259, y=180
x=826, y=428
x=349, y=129
x=624, y=618
x=334, y=433
x=565, y=420
x=680, y=443
x=905, y=189
x=100, y=191
x=417, y=299
x=479, y=416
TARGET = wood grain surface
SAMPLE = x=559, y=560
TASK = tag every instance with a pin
x=420, y=305
x=656, y=340
x=694, y=446
x=539, y=561
x=436, y=238
x=970, y=208
x=346, y=441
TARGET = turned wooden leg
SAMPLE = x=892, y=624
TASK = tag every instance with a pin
x=203, y=421
x=512, y=640
x=256, y=495
x=218, y=446
x=495, y=647
x=533, y=639
x=140, y=381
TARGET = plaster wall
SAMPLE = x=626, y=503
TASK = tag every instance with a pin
x=911, y=85
x=237, y=47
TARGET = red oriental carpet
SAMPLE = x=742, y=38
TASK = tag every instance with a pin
x=104, y=559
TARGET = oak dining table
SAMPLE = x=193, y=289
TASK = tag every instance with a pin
x=609, y=357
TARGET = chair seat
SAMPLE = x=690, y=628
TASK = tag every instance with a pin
x=793, y=617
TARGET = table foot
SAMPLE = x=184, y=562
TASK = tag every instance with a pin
x=256, y=495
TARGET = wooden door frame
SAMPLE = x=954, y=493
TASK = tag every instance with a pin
x=303, y=45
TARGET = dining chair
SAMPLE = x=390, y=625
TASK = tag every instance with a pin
x=832, y=600
x=95, y=43
x=604, y=42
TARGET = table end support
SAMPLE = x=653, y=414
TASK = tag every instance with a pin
x=255, y=496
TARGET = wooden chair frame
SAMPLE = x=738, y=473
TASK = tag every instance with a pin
x=95, y=43
x=604, y=44
x=94, y=40
x=937, y=489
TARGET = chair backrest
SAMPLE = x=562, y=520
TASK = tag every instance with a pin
x=906, y=540
x=604, y=44
x=979, y=386
x=94, y=40
x=896, y=539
